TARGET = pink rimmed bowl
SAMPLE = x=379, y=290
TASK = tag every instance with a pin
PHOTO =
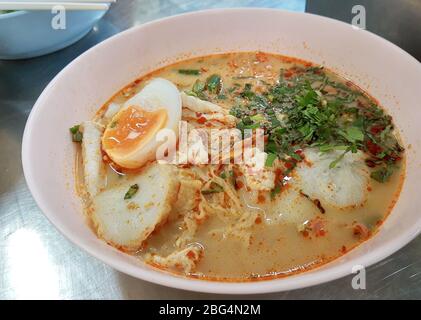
x=385, y=71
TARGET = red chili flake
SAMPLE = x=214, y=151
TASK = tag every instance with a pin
x=300, y=152
x=305, y=233
x=219, y=169
x=261, y=198
x=144, y=244
x=376, y=129
x=238, y=185
x=203, y=69
x=370, y=163
x=261, y=57
x=373, y=148
x=288, y=74
x=201, y=120
x=237, y=173
x=361, y=231
x=343, y=249
x=191, y=255
x=279, y=175
x=258, y=220
x=289, y=164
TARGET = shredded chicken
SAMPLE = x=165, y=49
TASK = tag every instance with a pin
x=185, y=259
x=198, y=105
x=257, y=175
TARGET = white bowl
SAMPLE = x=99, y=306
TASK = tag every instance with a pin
x=387, y=72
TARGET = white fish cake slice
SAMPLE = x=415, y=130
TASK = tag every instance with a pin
x=286, y=207
x=343, y=186
x=290, y=207
x=93, y=166
x=125, y=224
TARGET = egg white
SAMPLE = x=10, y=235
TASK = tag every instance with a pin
x=157, y=94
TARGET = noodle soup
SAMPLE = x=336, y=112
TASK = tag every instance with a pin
x=327, y=175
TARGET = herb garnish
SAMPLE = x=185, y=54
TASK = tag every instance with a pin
x=131, y=192
x=189, y=72
x=309, y=109
x=214, y=84
x=271, y=157
x=383, y=174
x=77, y=135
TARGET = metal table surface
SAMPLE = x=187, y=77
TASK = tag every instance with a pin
x=36, y=261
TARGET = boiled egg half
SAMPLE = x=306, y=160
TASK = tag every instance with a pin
x=130, y=137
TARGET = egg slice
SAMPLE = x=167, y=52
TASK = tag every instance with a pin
x=343, y=186
x=129, y=139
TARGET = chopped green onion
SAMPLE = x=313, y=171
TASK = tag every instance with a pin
x=74, y=129
x=214, y=84
x=189, y=72
x=131, y=192
x=77, y=135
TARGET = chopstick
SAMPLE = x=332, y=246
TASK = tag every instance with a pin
x=47, y=5
x=87, y=1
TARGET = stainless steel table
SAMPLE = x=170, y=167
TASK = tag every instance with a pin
x=36, y=261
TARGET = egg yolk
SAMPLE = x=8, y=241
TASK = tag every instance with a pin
x=133, y=127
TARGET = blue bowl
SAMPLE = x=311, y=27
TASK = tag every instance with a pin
x=27, y=34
